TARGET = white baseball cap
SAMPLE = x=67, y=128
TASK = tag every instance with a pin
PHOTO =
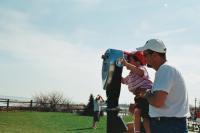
x=154, y=45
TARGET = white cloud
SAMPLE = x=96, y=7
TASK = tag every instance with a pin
x=170, y=32
x=71, y=68
x=165, y=5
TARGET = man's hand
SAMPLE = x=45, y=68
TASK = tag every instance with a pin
x=140, y=92
x=147, y=94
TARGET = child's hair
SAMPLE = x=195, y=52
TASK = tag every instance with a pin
x=137, y=56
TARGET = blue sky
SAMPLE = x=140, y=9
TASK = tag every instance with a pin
x=48, y=45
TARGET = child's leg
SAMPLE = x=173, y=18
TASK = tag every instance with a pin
x=146, y=125
x=131, y=108
x=137, y=120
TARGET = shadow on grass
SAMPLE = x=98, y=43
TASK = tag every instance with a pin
x=78, y=129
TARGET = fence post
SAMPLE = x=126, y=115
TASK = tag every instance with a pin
x=7, y=104
x=31, y=105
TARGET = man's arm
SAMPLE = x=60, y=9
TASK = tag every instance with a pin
x=100, y=97
x=157, y=98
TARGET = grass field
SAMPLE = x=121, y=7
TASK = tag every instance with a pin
x=49, y=122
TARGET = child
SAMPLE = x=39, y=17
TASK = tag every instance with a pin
x=138, y=82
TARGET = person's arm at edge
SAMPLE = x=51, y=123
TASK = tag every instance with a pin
x=102, y=98
x=157, y=98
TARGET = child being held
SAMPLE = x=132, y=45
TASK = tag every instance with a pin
x=138, y=82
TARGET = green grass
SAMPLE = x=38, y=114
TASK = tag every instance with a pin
x=49, y=122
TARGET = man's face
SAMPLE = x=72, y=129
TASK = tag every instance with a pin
x=148, y=57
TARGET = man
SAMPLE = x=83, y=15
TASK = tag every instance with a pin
x=168, y=98
x=97, y=110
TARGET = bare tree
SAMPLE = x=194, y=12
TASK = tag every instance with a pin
x=55, y=98
x=50, y=101
x=42, y=101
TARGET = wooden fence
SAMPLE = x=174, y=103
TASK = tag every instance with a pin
x=8, y=105
x=13, y=105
